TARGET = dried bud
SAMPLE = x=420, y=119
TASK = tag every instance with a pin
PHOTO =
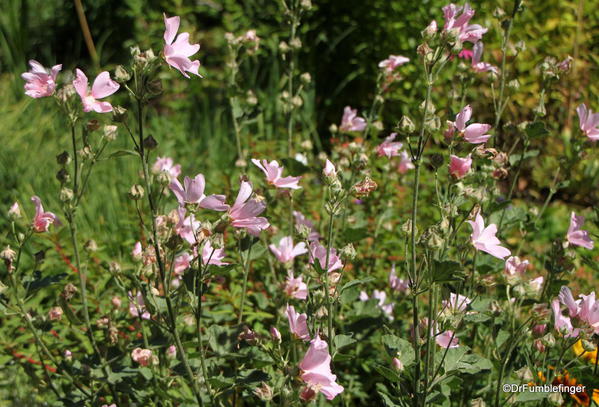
x=110, y=132
x=500, y=173
x=121, y=75
x=150, y=143
x=406, y=125
x=136, y=192
x=364, y=188
x=91, y=246
x=264, y=392
x=295, y=43
x=283, y=47
x=92, y=125
x=306, y=78
x=63, y=158
x=8, y=254
x=69, y=291
x=63, y=176
x=119, y=114
x=66, y=194
x=348, y=251
x=114, y=267
x=306, y=4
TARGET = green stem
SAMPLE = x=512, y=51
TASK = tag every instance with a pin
x=330, y=332
x=246, y=272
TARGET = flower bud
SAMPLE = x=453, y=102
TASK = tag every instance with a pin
x=397, y=365
x=114, y=267
x=429, y=32
x=55, y=314
x=136, y=192
x=8, y=254
x=283, y=47
x=119, y=114
x=171, y=352
x=275, y=334
x=264, y=392
x=14, y=212
x=63, y=158
x=556, y=399
x=121, y=75
x=90, y=246
x=63, y=176
x=306, y=4
x=150, y=143
x=406, y=125
x=68, y=355
x=306, y=78
x=295, y=43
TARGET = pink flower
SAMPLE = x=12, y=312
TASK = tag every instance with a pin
x=273, y=172
x=473, y=133
x=211, y=255
x=286, y=252
x=137, y=251
x=329, y=169
x=275, y=334
x=586, y=309
x=405, y=163
x=319, y=252
x=316, y=371
x=456, y=302
x=397, y=365
x=459, y=167
x=171, y=352
x=465, y=54
x=447, y=339
x=456, y=21
x=40, y=82
x=42, y=220
x=562, y=324
x=477, y=65
x=244, y=212
x=295, y=287
x=576, y=235
x=192, y=192
x=165, y=165
x=484, y=238
x=396, y=283
x=565, y=297
x=389, y=148
x=351, y=121
x=182, y=263
x=381, y=297
x=514, y=266
x=137, y=306
x=186, y=227
x=536, y=284
x=142, y=356
x=302, y=221
x=589, y=122
x=15, y=211
x=177, y=52
x=298, y=323
x=393, y=62
x=103, y=86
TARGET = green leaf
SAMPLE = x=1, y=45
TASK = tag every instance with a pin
x=353, y=235
x=146, y=373
x=536, y=129
x=446, y=271
x=389, y=374
x=400, y=348
x=122, y=153
x=356, y=282
x=515, y=158
x=342, y=341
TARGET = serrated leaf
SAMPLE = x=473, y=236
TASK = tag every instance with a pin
x=343, y=340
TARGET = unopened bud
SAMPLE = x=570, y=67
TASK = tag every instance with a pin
x=406, y=125
x=91, y=246
x=63, y=158
x=136, y=192
x=119, y=114
x=66, y=194
x=150, y=143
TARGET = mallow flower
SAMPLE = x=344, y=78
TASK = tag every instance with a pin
x=274, y=172
x=295, y=287
x=561, y=323
x=483, y=238
x=351, y=121
x=40, y=82
x=405, y=163
x=392, y=62
x=102, y=87
x=166, y=165
x=457, y=19
x=42, y=219
x=459, y=167
x=316, y=372
x=576, y=235
x=286, y=251
x=319, y=252
x=298, y=324
x=456, y=302
x=211, y=255
x=477, y=65
x=302, y=222
x=177, y=51
x=515, y=267
x=447, y=339
x=589, y=122
x=396, y=283
x=473, y=133
x=244, y=212
x=187, y=226
x=381, y=298
x=389, y=148
x=192, y=192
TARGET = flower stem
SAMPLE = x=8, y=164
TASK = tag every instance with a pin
x=330, y=332
x=246, y=272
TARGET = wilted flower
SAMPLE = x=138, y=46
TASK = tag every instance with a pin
x=40, y=82
x=55, y=314
x=102, y=87
x=177, y=51
x=142, y=356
